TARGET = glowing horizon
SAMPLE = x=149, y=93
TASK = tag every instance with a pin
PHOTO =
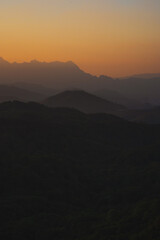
x=42, y=61
x=115, y=38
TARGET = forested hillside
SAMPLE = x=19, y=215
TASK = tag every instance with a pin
x=68, y=175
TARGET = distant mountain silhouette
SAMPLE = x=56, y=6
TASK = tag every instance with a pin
x=82, y=101
x=3, y=62
x=144, y=76
x=56, y=75
x=61, y=76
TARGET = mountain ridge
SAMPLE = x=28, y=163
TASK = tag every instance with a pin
x=82, y=101
x=67, y=75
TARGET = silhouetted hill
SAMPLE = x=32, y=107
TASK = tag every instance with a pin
x=151, y=116
x=141, y=89
x=3, y=62
x=37, y=88
x=117, y=97
x=69, y=175
x=33, y=111
x=82, y=101
x=145, y=76
x=8, y=93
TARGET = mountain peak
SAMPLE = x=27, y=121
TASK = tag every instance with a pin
x=3, y=61
x=83, y=101
x=105, y=77
x=72, y=65
x=34, y=61
x=71, y=62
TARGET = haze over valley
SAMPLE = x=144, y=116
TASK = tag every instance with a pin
x=64, y=84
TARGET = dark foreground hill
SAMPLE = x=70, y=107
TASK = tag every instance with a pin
x=68, y=175
x=82, y=101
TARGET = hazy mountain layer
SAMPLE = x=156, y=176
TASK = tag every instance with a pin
x=151, y=116
x=8, y=93
x=57, y=75
x=82, y=101
x=60, y=76
x=117, y=97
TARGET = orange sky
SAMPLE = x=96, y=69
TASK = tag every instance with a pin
x=116, y=38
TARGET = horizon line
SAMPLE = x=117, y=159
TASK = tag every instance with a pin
x=70, y=61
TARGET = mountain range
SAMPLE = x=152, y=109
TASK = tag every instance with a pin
x=59, y=84
x=60, y=76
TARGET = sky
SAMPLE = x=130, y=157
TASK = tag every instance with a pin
x=114, y=37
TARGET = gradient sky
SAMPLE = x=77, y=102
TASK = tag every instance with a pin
x=114, y=37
